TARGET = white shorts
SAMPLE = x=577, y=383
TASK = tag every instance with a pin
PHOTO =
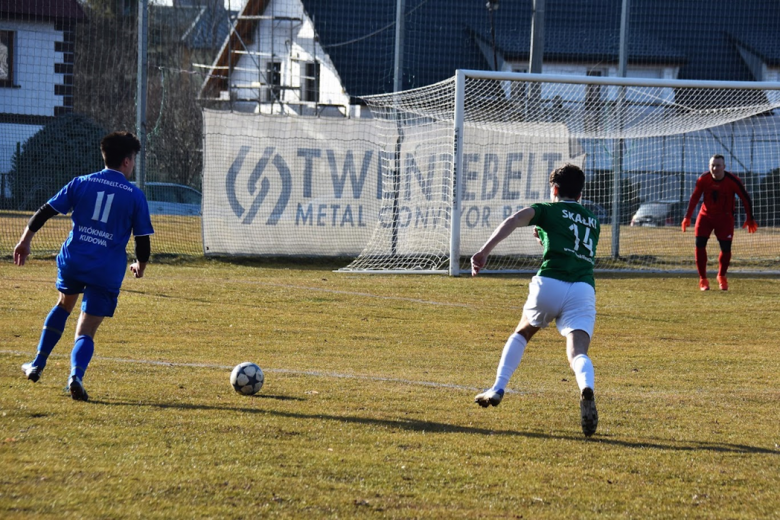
x=571, y=305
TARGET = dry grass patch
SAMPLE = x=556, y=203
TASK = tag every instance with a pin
x=367, y=408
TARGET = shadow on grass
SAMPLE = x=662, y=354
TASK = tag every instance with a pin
x=186, y=406
x=437, y=427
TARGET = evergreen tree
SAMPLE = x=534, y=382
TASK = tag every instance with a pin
x=65, y=148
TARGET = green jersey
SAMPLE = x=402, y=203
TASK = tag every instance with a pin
x=569, y=234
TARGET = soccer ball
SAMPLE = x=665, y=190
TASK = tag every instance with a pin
x=247, y=378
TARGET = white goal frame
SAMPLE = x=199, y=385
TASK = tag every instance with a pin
x=458, y=130
x=546, y=120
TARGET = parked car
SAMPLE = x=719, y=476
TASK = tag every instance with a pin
x=660, y=213
x=167, y=198
x=596, y=209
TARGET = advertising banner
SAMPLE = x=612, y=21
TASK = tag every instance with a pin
x=277, y=185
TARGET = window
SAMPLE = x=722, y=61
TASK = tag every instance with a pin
x=310, y=82
x=187, y=195
x=273, y=80
x=6, y=59
x=152, y=193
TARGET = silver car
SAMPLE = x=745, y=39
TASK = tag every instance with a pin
x=660, y=213
x=167, y=198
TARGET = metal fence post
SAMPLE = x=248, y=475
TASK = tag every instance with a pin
x=140, y=101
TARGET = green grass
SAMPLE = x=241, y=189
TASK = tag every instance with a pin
x=671, y=250
x=174, y=235
x=367, y=409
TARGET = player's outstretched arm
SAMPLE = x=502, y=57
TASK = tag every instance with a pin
x=747, y=203
x=695, y=197
x=686, y=222
x=138, y=268
x=36, y=222
x=22, y=249
x=751, y=225
x=520, y=219
x=143, y=250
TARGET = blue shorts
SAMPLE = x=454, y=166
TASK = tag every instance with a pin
x=97, y=301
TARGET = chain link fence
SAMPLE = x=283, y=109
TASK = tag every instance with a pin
x=69, y=74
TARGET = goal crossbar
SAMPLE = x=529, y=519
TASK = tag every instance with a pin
x=616, y=81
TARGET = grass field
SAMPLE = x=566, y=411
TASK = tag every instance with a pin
x=658, y=248
x=367, y=410
x=174, y=235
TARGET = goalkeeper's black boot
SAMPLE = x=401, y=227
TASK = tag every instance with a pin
x=590, y=417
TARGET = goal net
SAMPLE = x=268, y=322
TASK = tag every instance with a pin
x=462, y=155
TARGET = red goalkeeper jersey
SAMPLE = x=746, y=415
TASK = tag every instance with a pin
x=719, y=196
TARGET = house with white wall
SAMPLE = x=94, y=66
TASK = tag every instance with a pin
x=273, y=63
x=320, y=57
x=37, y=41
x=348, y=46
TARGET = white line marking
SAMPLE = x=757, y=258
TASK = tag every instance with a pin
x=313, y=373
x=352, y=293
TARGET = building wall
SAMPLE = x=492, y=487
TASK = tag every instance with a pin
x=26, y=107
x=291, y=43
x=34, y=59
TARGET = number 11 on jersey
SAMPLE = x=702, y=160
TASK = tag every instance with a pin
x=106, y=210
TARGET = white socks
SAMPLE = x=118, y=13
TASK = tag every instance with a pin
x=513, y=353
x=583, y=371
x=510, y=360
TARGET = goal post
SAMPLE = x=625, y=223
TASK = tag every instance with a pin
x=457, y=166
x=467, y=152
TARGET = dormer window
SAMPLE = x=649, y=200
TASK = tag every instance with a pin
x=6, y=59
x=310, y=82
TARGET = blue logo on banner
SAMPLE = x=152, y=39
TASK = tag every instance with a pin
x=258, y=192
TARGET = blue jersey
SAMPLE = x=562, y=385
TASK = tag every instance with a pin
x=106, y=209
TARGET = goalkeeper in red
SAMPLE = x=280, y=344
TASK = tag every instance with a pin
x=718, y=187
x=562, y=290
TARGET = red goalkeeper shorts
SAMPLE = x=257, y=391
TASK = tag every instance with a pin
x=722, y=225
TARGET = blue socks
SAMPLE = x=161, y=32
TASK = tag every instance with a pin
x=81, y=355
x=53, y=327
x=52, y=331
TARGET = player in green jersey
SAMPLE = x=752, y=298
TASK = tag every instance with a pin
x=562, y=290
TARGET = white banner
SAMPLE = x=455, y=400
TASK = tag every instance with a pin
x=277, y=185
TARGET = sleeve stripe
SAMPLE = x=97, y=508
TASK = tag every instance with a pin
x=746, y=201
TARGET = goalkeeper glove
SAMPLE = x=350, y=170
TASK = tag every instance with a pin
x=751, y=225
x=685, y=223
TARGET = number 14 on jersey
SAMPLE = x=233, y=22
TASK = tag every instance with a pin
x=586, y=242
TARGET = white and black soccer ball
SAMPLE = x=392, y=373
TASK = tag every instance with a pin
x=247, y=378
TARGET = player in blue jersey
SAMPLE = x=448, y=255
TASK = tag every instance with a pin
x=562, y=290
x=106, y=208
